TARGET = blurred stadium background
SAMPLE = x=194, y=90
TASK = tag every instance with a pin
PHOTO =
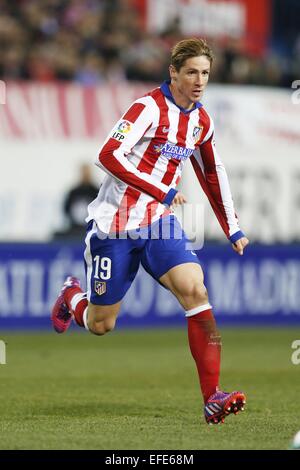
x=68, y=69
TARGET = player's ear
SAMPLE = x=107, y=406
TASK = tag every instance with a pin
x=173, y=72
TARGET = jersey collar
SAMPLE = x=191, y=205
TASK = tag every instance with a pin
x=165, y=88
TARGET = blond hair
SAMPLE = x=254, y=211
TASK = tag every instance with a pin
x=188, y=48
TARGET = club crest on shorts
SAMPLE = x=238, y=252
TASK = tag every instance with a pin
x=100, y=287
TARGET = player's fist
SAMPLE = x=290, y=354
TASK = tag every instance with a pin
x=240, y=244
x=178, y=200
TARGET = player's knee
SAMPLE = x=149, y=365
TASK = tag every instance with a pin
x=194, y=292
x=100, y=328
x=199, y=294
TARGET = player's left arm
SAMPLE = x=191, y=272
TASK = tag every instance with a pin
x=240, y=244
x=213, y=178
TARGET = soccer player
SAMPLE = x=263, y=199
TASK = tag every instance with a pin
x=143, y=157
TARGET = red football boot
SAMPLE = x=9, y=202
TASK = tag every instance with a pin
x=221, y=404
x=61, y=316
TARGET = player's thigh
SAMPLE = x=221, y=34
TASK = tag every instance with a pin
x=170, y=260
x=111, y=266
x=181, y=276
x=186, y=282
x=171, y=248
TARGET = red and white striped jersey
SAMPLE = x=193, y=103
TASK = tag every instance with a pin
x=143, y=157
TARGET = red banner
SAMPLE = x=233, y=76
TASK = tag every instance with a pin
x=64, y=111
x=247, y=21
x=258, y=25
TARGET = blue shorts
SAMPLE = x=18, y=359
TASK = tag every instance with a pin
x=112, y=264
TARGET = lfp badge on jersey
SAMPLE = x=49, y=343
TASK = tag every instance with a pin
x=100, y=287
x=123, y=128
x=197, y=133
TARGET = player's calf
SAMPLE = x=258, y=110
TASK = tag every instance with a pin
x=101, y=319
x=100, y=328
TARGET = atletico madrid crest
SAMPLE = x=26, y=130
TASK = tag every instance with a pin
x=100, y=287
x=197, y=133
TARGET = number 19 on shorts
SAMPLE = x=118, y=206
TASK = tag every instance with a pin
x=102, y=268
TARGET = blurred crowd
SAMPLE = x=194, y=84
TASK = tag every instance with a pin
x=92, y=41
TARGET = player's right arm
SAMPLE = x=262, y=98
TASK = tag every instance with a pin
x=125, y=135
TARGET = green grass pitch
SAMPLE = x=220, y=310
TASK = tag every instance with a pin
x=139, y=390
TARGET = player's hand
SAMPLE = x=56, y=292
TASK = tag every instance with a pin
x=240, y=244
x=178, y=200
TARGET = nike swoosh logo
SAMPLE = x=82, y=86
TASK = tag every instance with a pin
x=165, y=130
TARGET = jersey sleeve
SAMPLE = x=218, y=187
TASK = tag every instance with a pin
x=212, y=176
x=124, y=136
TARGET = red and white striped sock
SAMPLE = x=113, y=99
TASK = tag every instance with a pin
x=205, y=346
x=77, y=302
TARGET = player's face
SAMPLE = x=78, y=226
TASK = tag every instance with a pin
x=189, y=83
